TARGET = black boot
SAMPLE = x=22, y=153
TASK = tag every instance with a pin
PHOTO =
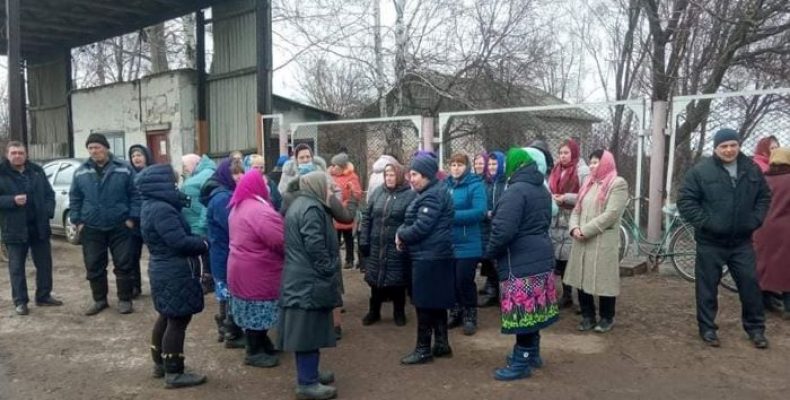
x=470, y=321
x=374, y=312
x=99, y=292
x=399, y=306
x=234, y=336
x=422, y=352
x=456, y=317
x=175, y=377
x=441, y=345
x=256, y=350
x=566, y=301
x=219, y=319
x=159, y=367
x=490, y=295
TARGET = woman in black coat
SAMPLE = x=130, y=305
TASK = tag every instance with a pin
x=386, y=269
x=310, y=285
x=426, y=235
x=173, y=271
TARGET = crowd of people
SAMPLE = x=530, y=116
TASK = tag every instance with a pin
x=538, y=224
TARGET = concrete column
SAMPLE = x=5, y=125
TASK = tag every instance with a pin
x=427, y=133
x=655, y=193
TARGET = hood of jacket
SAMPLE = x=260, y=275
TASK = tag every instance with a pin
x=149, y=158
x=539, y=157
x=158, y=182
x=529, y=174
x=382, y=162
x=205, y=164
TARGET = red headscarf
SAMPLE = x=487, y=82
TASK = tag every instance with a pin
x=762, y=153
x=251, y=185
x=564, y=178
x=605, y=174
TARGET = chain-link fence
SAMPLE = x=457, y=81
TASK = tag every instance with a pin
x=616, y=126
x=363, y=140
x=695, y=120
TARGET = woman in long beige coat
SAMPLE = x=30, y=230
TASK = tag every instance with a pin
x=593, y=267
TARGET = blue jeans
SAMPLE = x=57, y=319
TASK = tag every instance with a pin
x=41, y=251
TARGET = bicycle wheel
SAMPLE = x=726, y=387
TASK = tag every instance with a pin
x=727, y=281
x=683, y=251
x=625, y=242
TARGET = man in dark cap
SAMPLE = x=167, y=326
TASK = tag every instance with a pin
x=726, y=198
x=104, y=206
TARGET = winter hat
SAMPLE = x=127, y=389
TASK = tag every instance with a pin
x=281, y=161
x=780, y=156
x=97, y=138
x=515, y=159
x=425, y=165
x=725, y=135
x=340, y=160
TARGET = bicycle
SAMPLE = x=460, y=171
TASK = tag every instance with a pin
x=677, y=244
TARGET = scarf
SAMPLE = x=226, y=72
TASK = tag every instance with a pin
x=564, y=178
x=252, y=185
x=762, y=153
x=315, y=184
x=605, y=174
x=516, y=158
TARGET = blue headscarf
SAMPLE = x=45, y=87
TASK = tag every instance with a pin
x=500, y=165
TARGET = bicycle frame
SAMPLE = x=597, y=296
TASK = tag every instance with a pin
x=657, y=250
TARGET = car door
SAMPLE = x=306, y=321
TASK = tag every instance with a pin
x=51, y=170
x=61, y=185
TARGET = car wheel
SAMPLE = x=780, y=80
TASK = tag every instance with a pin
x=72, y=236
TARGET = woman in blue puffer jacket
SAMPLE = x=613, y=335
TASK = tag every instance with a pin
x=471, y=207
x=173, y=270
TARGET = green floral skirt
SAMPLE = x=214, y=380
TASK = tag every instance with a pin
x=528, y=304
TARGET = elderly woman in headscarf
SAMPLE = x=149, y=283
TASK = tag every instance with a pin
x=386, y=269
x=496, y=182
x=426, y=236
x=521, y=246
x=310, y=283
x=565, y=181
x=255, y=265
x=762, y=153
x=594, y=266
x=215, y=195
x=258, y=163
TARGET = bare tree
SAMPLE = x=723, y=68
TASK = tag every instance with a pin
x=157, y=47
x=340, y=87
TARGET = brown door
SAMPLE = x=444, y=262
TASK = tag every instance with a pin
x=160, y=146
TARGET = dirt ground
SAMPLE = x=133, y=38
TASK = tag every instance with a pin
x=653, y=352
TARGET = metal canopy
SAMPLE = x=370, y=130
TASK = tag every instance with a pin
x=54, y=25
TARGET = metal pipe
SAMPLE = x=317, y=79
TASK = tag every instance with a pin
x=638, y=186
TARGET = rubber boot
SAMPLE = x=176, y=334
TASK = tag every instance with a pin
x=517, y=368
x=256, y=354
x=219, y=319
x=374, y=311
x=422, y=352
x=441, y=345
x=316, y=391
x=175, y=377
x=159, y=366
x=470, y=321
x=535, y=360
x=456, y=318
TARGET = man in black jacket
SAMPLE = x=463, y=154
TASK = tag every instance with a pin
x=27, y=203
x=726, y=198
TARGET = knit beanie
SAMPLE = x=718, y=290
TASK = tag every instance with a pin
x=97, y=138
x=515, y=159
x=725, y=135
x=340, y=160
x=425, y=165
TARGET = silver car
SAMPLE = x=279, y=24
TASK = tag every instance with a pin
x=60, y=173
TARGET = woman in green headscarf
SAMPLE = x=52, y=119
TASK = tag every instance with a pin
x=521, y=246
x=310, y=284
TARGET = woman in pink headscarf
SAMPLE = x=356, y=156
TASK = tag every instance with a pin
x=594, y=267
x=255, y=265
x=762, y=153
